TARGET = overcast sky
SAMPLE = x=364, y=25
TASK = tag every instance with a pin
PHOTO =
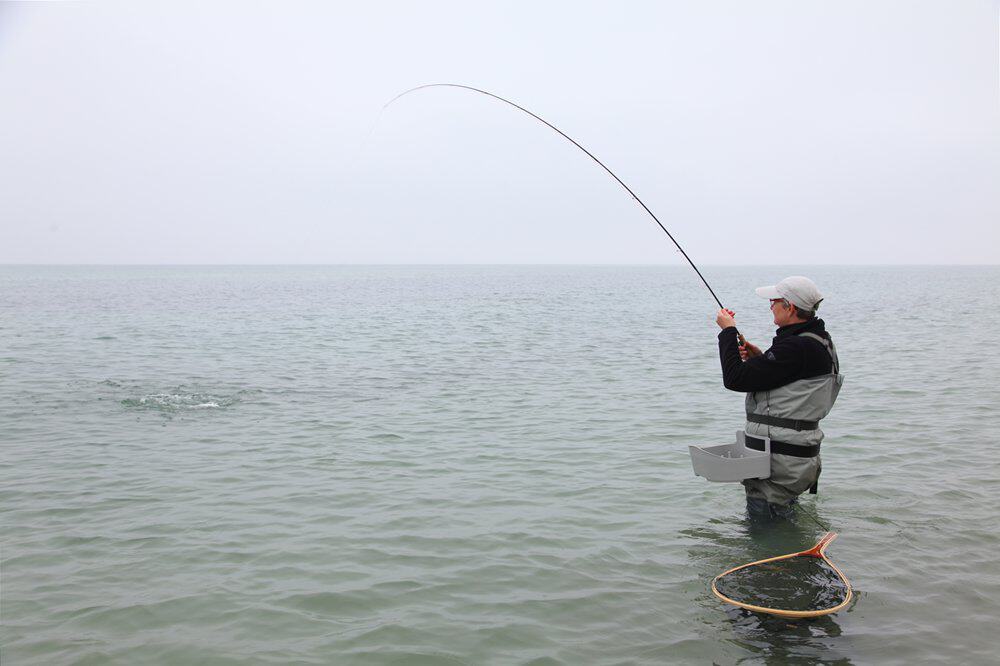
x=759, y=132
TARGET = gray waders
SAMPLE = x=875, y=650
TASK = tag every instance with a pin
x=790, y=416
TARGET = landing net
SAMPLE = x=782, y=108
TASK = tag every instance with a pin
x=804, y=584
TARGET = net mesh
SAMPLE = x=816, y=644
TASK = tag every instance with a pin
x=799, y=583
x=804, y=584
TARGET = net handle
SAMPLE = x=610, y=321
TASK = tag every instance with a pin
x=819, y=549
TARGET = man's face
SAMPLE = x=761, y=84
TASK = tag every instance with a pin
x=782, y=311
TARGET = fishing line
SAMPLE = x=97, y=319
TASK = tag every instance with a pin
x=814, y=518
x=575, y=143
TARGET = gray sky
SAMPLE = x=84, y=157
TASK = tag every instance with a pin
x=760, y=133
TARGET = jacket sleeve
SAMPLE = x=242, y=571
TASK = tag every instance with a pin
x=776, y=367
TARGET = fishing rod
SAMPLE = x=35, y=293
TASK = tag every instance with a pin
x=590, y=155
x=603, y=166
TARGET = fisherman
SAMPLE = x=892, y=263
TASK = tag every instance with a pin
x=789, y=388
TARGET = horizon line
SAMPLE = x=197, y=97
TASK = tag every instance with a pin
x=431, y=264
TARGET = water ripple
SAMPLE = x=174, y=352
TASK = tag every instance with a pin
x=469, y=465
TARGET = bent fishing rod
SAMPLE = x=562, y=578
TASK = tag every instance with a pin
x=589, y=154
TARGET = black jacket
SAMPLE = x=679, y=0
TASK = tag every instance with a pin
x=790, y=357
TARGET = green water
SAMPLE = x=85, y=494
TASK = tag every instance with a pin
x=473, y=465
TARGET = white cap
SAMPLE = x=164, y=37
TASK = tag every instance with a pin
x=797, y=290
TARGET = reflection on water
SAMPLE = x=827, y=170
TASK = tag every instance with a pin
x=776, y=640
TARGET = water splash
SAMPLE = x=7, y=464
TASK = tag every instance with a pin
x=181, y=400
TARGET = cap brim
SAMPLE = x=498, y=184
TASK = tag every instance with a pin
x=768, y=292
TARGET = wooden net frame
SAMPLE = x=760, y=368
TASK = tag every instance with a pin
x=818, y=551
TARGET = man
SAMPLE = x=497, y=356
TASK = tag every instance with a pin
x=789, y=388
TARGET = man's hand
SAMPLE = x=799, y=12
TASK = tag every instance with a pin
x=725, y=318
x=749, y=351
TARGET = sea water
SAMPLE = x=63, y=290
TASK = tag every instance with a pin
x=475, y=465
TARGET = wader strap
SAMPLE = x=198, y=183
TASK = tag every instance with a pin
x=829, y=348
x=818, y=338
x=783, y=448
x=778, y=422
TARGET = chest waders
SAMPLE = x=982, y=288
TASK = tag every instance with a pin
x=790, y=416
